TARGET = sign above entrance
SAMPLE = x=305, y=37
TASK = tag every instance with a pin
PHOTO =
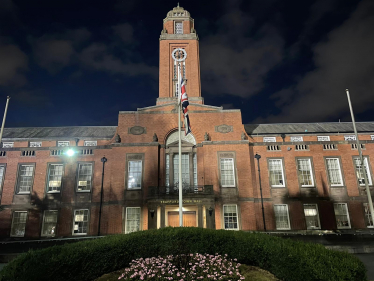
x=187, y=201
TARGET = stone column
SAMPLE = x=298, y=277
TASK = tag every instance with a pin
x=200, y=222
x=162, y=216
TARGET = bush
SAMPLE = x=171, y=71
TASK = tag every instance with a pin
x=286, y=259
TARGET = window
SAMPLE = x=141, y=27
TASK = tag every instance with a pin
x=282, y=220
x=80, y=222
x=185, y=169
x=293, y=139
x=227, y=172
x=194, y=169
x=90, y=143
x=35, y=144
x=84, y=177
x=276, y=173
x=305, y=174
x=350, y=138
x=178, y=27
x=359, y=172
x=269, y=139
x=230, y=216
x=8, y=144
x=372, y=137
x=311, y=216
x=63, y=143
x=25, y=178
x=132, y=219
x=55, y=177
x=334, y=172
x=49, y=223
x=18, y=224
x=135, y=175
x=341, y=215
x=167, y=182
x=2, y=172
x=368, y=217
x=323, y=138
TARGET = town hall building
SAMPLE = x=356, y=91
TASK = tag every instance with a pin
x=66, y=181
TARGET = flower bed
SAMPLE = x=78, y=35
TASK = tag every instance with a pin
x=183, y=268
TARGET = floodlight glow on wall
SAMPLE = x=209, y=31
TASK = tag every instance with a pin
x=70, y=152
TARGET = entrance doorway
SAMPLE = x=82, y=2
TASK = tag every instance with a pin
x=189, y=218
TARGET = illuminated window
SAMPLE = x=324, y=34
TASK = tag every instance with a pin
x=311, y=216
x=132, y=219
x=135, y=174
x=49, y=223
x=80, y=226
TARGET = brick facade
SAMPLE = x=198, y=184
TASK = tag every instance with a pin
x=144, y=137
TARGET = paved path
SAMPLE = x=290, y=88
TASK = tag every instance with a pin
x=368, y=260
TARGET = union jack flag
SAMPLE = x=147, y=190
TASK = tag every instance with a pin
x=185, y=103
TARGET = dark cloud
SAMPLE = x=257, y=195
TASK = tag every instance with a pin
x=13, y=63
x=344, y=60
x=125, y=32
x=235, y=63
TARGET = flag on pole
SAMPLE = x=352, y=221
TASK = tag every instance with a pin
x=185, y=103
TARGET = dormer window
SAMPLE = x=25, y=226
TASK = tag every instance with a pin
x=178, y=27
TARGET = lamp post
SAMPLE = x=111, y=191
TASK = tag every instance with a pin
x=258, y=156
x=101, y=193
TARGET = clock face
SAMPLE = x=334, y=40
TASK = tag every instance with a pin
x=179, y=54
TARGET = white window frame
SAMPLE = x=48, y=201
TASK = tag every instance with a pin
x=46, y=224
x=316, y=215
x=282, y=169
x=90, y=143
x=2, y=176
x=19, y=178
x=8, y=144
x=35, y=144
x=288, y=217
x=366, y=165
x=340, y=171
x=63, y=143
x=368, y=216
x=323, y=138
x=372, y=137
x=48, y=177
x=175, y=27
x=24, y=229
x=141, y=175
x=350, y=137
x=296, y=138
x=88, y=221
x=79, y=174
x=127, y=230
x=346, y=208
x=237, y=217
x=233, y=172
x=269, y=139
x=311, y=171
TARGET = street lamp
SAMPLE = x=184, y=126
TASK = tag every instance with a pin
x=70, y=152
x=258, y=156
x=101, y=194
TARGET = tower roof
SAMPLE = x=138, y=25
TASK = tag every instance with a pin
x=178, y=12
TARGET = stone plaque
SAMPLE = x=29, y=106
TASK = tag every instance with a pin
x=137, y=130
x=223, y=129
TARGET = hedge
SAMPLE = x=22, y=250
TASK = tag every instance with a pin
x=286, y=259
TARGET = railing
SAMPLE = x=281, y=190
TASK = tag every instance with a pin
x=173, y=190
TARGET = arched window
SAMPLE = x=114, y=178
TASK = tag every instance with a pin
x=189, y=162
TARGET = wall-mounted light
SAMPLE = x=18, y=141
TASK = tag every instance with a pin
x=152, y=213
x=210, y=211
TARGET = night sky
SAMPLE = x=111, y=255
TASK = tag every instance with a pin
x=77, y=63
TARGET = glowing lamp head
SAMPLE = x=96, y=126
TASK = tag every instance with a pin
x=70, y=152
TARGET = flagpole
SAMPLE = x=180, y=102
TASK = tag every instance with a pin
x=3, y=124
x=363, y=167
x=180, y=150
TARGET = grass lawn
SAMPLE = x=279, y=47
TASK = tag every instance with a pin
x=250, y=273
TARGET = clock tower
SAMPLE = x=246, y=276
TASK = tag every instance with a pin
x=179, y=32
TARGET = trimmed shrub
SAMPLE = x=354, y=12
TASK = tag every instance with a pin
x=286, y=259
